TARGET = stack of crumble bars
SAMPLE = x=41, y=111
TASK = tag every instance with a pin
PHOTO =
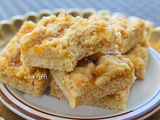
x=91, y=61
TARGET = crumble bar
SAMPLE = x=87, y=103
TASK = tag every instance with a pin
x=95, y=79
x=17, y=74
x=139, y=56
x=60, y=42
x=117, y=101
x=132, y=28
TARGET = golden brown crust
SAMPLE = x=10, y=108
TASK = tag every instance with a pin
x=60, y=42
x=17, y=74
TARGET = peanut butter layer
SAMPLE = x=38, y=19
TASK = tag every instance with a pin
x=95, y=79
x=132, y=29
x=60, y=42
x=17, y=74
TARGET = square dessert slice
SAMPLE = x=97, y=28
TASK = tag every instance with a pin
x=17, y=74
x=132, y=28
x=60, y=42
x=95, y=79
x=139, y=56
x=117, y=101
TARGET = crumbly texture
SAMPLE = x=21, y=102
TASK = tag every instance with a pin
x=56, y=91
x=17, y=74
x=60, y=42
x=117, y=101
x=95, y=79
x=132, y=29
x=139, y=56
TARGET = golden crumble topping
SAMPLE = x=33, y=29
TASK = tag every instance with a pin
x=95, y=78
x=17, y=74
x=60, y=42
x=132, y=29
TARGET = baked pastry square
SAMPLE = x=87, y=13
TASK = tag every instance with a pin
x=17, y=74
x=117, y=101
x=60, y=42
x=132, y=28
x=106, y=75
x=139, y=56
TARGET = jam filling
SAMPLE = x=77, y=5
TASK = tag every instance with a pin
x=84, y=61
x=51, y=37
x=116, y=53
x=16, y=61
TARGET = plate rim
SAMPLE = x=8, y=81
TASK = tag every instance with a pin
x=26, y=114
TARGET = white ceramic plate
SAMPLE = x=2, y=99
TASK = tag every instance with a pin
x=143, y=101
